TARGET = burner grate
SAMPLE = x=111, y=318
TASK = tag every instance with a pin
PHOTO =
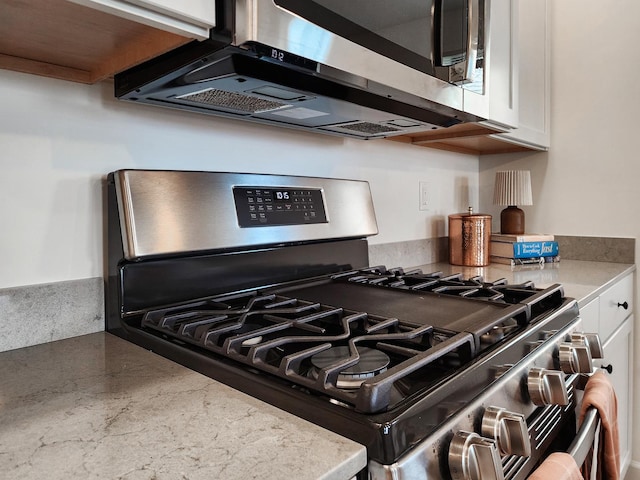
x=282, y=335
x=415, y=280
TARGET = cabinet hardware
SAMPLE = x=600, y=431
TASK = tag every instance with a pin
x=608, y=368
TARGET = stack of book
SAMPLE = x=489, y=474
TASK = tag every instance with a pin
x=526, y=249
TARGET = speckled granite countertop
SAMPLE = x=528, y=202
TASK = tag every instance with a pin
x=98, y=407
x=581, y=280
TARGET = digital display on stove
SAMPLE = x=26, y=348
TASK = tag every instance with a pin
x=269, y=206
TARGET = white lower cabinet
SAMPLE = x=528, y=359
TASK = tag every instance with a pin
x=616, y=304
x=618, y=355
x=611, y=316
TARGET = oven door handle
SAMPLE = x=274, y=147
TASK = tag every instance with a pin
x=586, y=437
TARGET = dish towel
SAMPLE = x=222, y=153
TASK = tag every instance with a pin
x=557, y=466
x=599, y=393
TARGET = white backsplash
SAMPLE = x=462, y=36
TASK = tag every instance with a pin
x=59, y=140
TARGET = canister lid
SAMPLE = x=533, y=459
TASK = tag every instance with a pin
x=469, y=215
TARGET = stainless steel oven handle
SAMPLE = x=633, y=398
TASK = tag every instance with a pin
x=508, y=429
x=472, y=457
x=586, y=437
x=546, y=387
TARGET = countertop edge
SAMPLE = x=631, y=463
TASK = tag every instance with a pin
x=599, y=290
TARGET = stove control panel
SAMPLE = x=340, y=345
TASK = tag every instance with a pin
x=505, y=431
x=273, y=206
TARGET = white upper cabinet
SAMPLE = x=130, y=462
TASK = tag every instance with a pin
x=191, y=18
x=533, y=77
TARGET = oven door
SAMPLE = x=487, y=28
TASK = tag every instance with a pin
x=427, y=48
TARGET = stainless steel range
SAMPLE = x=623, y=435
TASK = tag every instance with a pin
x=263, y=282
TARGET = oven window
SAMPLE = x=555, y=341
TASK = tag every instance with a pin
x=403, y=33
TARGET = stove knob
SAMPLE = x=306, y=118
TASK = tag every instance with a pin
x=472, y=457
x=575, y=358
x=592, y=340
x=546, y=387
x=508, y=429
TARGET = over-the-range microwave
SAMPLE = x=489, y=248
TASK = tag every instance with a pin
x=357, y=68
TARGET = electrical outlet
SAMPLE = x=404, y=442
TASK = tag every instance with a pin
x=425, y=200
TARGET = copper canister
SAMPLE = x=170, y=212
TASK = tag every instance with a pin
x=469, y=235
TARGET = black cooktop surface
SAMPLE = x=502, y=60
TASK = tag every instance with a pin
x=360, y=337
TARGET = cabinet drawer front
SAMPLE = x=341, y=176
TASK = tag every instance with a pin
x=612, y=306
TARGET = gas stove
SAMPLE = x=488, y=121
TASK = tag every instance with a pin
x=262, y=282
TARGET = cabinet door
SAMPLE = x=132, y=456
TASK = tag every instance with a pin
x=499, y=104
x=618, y=352
x=191, y=18
x=534, y=79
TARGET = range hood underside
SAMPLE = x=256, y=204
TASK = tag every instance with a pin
x=235, y=83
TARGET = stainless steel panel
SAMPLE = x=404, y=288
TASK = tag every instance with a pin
x=166, y=212
x=282, y=30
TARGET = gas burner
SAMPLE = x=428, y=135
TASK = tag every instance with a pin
x=499, y=332
x=371, y=362
x=246, y=328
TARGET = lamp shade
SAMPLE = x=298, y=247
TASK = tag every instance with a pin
x=513, y=187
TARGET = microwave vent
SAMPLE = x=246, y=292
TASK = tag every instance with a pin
x=233, y=101
x=368, y=128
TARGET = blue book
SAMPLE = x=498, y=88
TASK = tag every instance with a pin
x=524, y=249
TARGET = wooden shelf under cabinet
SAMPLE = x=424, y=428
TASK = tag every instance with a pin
x=469, y=138
x=60, y=39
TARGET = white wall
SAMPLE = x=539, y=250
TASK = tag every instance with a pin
x=59, y=139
